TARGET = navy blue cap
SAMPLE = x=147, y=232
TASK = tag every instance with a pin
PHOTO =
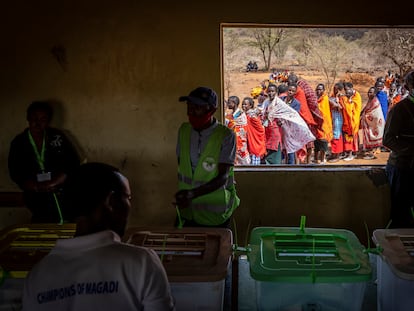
x=201, y=96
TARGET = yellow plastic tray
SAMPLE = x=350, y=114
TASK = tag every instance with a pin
x=22, y=246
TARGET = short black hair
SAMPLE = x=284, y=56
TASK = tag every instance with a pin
x=87, y=186
x=349, y=85
x=234, y=99
x=40, y=106
x=293, y=78
x=250, y=100
x=272, y=85
x=339, y=85
x=322, y=85
x=282, y=88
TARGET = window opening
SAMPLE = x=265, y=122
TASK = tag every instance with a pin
x=256, y=56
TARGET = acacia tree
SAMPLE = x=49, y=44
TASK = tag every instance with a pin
x=328, y=53
x=231, y=44
x=395, y=44
x=300, y=44
x=266, y=40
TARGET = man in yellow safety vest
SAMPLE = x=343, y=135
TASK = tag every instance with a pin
x=206, y=152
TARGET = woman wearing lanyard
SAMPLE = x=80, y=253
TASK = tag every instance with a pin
x=39, y=159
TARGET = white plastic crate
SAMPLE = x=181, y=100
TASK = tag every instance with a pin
x=208, y=296
x=196, y=260
x=395, y=269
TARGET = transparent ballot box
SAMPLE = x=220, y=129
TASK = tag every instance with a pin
x=307, y=269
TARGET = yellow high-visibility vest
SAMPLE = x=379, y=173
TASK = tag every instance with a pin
x=216, y=207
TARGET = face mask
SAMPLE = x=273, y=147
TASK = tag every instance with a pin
x=199, y=123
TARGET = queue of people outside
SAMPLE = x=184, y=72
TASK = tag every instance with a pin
x=339, y=125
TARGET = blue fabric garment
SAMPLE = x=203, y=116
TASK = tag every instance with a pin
x=291, y=158
x=337, y=122
x=237, y=114
x=295, y=104
x=383, y=99
x=255, y=160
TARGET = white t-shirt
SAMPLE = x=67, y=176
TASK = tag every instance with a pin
x=98, y=272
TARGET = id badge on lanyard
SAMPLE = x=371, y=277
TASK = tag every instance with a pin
x=43, y=176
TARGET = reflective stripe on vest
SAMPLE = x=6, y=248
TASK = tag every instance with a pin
x=195, y=183
x=214, y=208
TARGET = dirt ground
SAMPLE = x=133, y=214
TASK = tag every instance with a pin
x=243, y=82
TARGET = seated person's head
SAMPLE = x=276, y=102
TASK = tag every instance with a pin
x=98, y=198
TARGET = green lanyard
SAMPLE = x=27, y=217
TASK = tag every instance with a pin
x=41, y=161
x=39, y=157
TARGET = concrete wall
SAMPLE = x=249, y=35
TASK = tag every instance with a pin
x=115, y=70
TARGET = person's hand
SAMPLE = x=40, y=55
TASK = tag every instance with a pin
x=44, y=186
x=183, y=198
x=47, y=186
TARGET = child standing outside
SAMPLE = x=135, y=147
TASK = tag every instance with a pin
x=256, y=139
x=237, y=121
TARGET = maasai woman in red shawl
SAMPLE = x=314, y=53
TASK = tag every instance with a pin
x=237, y=121
x=256, y=139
